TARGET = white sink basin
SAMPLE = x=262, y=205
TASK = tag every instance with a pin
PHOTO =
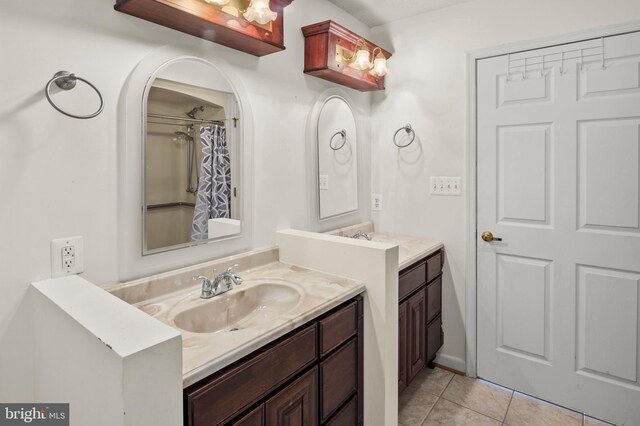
x=246, y=306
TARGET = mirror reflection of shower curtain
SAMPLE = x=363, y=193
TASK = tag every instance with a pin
x=214, y=187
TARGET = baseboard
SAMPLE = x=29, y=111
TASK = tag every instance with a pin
x=455, y=364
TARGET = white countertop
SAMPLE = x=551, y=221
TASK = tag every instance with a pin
x=411, y=249
x=207, y=353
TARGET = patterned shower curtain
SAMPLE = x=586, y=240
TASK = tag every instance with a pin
x=214, y=187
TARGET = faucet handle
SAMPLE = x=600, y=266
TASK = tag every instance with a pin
x=199, y=277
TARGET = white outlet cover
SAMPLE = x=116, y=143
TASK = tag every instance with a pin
x=324, y=182
x=376, y=202
x=57, y=269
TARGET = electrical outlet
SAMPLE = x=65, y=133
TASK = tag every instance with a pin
x=376, y=202
x=324, y=182
x=445, y=185
x=67, y=256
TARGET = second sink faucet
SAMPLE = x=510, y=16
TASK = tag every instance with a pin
x=220, y=284
x=361, y=234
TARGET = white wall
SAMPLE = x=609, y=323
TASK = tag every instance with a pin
x=58, y=176
x=427, y=87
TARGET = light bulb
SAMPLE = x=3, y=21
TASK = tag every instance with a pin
x=260, y=12
x=362, y=61
x=217, y=2
x=379, y=66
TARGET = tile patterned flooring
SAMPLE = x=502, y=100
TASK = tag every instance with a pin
x=439, y=397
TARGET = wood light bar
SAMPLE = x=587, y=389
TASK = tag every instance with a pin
x=328, y=47
x=200, y=19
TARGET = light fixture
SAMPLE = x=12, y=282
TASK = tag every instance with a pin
x=218, y=2
x=379, y=68
x=260, y=12
x=361, y=60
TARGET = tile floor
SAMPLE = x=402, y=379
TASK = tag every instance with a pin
x=439, y=397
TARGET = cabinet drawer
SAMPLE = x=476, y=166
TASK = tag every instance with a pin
x=338, y=327
x=434, y=337
x=228, y=393
x=347, y=416
x=295, y=405
x=338, y=378
x=434, y=299
x=434, y=265
x=412, y=280
x=254, y=418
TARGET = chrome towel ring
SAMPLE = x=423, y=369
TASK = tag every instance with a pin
x=342, y=133
x=407, y=129
x=67, y=81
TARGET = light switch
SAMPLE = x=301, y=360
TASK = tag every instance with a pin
x=445, y=185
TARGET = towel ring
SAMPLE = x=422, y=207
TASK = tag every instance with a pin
x=67, y=81
x=407, y=129
x=342, y=133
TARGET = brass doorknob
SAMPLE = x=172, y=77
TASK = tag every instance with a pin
x=488, y=237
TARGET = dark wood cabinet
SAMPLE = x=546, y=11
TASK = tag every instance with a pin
x=419, y=316
x=295, y=405
x=402, y=346
x=200, y=19
x=327, y=44
x=416, y=334
x=254, y=418
x=309, y=377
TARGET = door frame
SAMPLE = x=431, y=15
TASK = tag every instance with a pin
x=471, y=290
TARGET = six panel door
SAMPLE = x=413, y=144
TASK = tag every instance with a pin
x=558, y=155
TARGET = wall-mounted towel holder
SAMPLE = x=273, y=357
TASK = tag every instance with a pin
x=342, y=133
x=409, y=131
x=67, y=81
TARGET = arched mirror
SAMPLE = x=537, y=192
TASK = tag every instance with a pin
x=192, y=157
x=337, y=158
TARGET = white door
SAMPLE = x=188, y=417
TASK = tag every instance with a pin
x=558, y=180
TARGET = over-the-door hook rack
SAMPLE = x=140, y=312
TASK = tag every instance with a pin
x=67, y=81
x=409, y=131
x=342, y=133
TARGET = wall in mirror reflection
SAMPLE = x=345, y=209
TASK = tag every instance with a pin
x=192, y=158
x=337, y=159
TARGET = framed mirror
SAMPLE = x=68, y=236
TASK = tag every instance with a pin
x=192, y=157
x=337, y=153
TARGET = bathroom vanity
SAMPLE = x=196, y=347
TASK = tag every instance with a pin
x=283, y=347
x=420, y=333
x=420, y=263
x=311, y=376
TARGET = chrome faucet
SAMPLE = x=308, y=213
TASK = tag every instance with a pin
x=361, y=234
x=220, y=284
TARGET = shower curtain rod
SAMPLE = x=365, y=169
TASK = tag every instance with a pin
x=190, y=120
x=218, y=122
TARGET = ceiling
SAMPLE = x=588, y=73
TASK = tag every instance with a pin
x=378, y=12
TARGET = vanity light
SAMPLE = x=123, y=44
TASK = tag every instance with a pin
x=218, y=2
x=379, y=68
x=362, y=60
x=260, y=12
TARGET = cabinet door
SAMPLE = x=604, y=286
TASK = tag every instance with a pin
x=417, y=339
x=435, y=337
x=402, y=346
x=254, y=418
x=295, y=405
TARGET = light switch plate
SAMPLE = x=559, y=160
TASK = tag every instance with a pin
x=445, y=185
x=376, y=202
